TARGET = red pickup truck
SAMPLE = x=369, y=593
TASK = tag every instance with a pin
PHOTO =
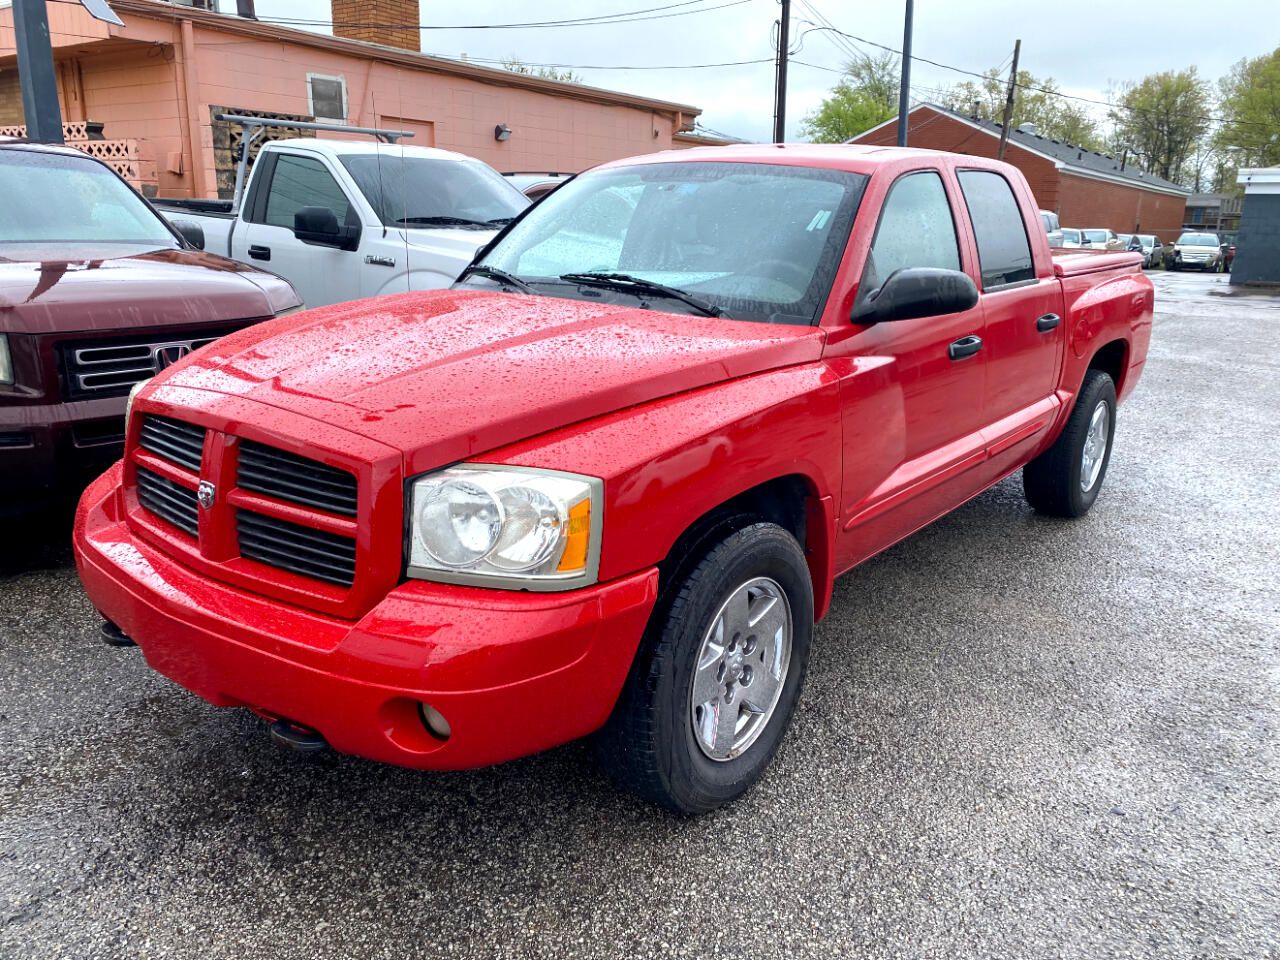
x=603, y=485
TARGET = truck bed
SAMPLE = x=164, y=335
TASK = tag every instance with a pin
x=205, y=208
x=1076, y=263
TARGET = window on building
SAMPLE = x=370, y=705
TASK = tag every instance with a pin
x=327, y=97
x=1004, y=252
x=916, y=230
x=302, y=182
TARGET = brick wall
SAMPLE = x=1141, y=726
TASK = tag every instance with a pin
x=1086, y=202
x=938, y=131
x=1257, y=259
x=372, y=20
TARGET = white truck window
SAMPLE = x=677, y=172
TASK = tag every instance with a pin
x=302, y=182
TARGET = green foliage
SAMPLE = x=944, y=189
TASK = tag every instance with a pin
x=516, y=65
x=1163, y=119
x=866, y=95
x=1250, y=99
x=1038, y=101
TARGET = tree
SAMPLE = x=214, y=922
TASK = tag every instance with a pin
x=866, y=95
x=1162, y=119
x=1250, y=102
x=516, y=65
x=1037, y=102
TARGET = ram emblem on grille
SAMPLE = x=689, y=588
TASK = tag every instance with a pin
x=205, y=493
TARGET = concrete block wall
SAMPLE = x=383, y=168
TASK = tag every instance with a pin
x=1258, y=242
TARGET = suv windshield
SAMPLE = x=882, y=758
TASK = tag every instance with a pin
x=56, y=198
x=1198, y=240
x=754, y=241
x=1095, y=236
x=424, y=192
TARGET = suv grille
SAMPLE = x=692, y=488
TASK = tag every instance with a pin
x=299, y=549
x=183, y=443
x=106, y=368
x=168, y=500
x=287, y=476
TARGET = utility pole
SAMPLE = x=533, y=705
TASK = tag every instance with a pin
x=780, y=87
x=1008, y=100
x=904, y=89
x=35, y=71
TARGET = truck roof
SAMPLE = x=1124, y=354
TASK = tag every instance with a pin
x=365, y=147
x=856, y=158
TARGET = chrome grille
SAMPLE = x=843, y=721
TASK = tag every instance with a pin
x=168, y=500
x=182, y=443
x=286, y=476
x=298, y=549
x=107, y=368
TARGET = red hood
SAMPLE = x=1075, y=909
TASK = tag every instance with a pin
x=451, y=373
x=110, y=289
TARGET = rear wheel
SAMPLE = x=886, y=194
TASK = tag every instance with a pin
x=1064, y=480
x=717, y=678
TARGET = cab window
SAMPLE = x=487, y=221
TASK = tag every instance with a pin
x=916, y=229
x=1004, y=252
x=299, y=182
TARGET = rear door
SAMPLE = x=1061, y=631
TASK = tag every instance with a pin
x=1023, y=314
x=291, y=181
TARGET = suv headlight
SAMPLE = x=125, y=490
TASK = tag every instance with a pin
x=500, y=526
x=6, y=361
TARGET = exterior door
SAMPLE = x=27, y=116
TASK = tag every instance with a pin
x=913, y=414
x=321, y=275
x=1023, y=313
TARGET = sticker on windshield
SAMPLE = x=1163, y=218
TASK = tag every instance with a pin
x=819, y=221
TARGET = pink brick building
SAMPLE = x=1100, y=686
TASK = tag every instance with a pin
x=156, y=83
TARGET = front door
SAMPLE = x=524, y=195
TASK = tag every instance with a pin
x=913, y=411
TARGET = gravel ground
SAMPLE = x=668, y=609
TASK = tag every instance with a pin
x=1020, y=738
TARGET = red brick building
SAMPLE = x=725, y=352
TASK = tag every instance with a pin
x=1085, y=188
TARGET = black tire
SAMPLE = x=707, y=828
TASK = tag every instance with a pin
x=649, y=745
x=1051, y=481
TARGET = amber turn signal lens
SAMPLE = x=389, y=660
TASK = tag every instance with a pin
x=579, y=538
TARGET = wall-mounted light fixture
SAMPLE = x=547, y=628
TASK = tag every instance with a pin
x=502, y=133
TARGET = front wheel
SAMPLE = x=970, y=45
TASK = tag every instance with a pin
x=718, y=675
x=1064, y=480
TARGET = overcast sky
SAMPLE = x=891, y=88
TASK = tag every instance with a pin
x=1084, y=46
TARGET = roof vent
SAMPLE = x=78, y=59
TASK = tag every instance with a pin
x=1030, y=128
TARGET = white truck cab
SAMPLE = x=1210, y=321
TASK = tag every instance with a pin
x=346, y=219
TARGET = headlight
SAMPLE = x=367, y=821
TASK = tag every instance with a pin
x=128, y=404
x=514, y=527
x=6, y=361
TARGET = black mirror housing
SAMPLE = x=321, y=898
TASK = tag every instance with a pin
x=915, y=292
x=190, y=231
x=319, y=226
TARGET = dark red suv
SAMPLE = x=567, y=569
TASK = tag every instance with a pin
x=97, y=293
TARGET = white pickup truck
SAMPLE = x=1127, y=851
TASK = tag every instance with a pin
x=341, y=220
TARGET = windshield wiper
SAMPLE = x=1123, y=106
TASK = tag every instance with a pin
x=442, y=222
x=625, y=281
x=493, y=273
x=499, y=221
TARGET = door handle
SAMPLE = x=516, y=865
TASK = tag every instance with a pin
x=259, y=252
x=1048, y=322
x=964, y=347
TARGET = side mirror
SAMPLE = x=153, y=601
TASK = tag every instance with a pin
x=190, y=231
x=917, y=292
x=319, y=226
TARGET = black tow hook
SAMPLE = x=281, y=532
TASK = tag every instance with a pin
x=297, y=737
x=113, y=636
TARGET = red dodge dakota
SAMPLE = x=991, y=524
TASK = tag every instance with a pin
x=604, y=484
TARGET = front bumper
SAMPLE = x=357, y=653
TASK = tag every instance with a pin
x=53, y=450
x=513, y=673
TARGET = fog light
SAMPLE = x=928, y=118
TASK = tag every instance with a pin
x=434, y=721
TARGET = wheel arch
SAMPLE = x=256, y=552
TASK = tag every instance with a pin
x=1112, y=358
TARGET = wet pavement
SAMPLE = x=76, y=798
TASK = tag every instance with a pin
x=1020, y=738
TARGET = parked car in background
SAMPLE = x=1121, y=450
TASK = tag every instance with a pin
x=1072, y=239
x=1228, y=256
x=1099, y=238
x=1152, y=251
x=1052, y=228
x=97, y=292
x=604, y=485
x=535, y=186
x=345, y=219
x=1200, y=250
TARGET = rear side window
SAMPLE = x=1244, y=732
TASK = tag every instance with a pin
x=916, y=229
x=302, y=182
x=1004, y=251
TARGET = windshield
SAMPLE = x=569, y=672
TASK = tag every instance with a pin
x=1069, y=234
x=1198, y=240
x=56, y=198
x=757, y=241
x=1147, y=239
x=1096, y=236
x=421, y=191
